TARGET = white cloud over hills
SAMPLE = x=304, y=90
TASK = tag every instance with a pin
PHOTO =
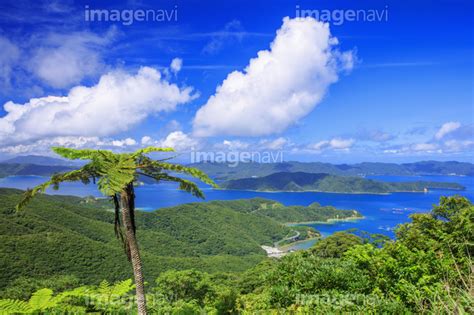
x=278, y=87
x=334, y=144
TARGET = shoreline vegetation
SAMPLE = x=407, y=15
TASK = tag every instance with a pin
x=328, y=221
x=281, y=250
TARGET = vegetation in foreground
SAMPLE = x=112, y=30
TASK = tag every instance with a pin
x=212, y=236
x=427, y=269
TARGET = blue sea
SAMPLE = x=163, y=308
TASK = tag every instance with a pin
x=382, y=213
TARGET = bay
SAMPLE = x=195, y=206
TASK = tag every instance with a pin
x=382, y=213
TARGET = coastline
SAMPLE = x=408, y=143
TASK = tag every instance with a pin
x=287, y=247
x=329, y=221
x=346, y=193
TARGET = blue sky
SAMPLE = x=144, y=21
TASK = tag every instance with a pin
x=398, y=88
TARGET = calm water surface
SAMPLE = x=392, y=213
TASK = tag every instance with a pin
x=382, y=213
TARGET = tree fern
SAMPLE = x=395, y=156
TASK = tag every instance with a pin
x=116, y=174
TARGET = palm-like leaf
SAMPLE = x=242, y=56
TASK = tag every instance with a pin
x=10, y=306
x=42, y=300
x=115, y=171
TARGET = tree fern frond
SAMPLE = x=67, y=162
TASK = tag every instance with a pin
x=76, y=154
x=104, y=287
x=150, y=150
x=55, y=180
x=41, y=299
x=118, y=174
x=121, y=288
x=184, y=184
x=157, y=166
x=10, y=306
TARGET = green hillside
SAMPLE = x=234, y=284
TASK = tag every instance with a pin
x=427, y=269
x=64, y=235
x=227, y=171
x=299, y=181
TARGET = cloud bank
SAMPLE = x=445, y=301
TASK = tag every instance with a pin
x=279, y=86
x=118, y=102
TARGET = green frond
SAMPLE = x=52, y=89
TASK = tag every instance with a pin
x=184, y=184
x=157, y=166
x=42, y=299
x=150, y=150
x=55, y=180
x=10, y=306
x=76, y=154
x=30, y=193
x=104, y=287
x=121, y=288
x=77, y=292
x=116, y=174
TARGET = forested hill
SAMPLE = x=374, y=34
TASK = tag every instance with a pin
x=63, y=235
x=299, y=181
x=227, y=171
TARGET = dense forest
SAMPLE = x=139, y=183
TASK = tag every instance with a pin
x=213, y=236
x=427, y=269
x=322, y=182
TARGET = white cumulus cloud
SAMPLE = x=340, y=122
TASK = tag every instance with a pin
x=179, y=141
x=279, y=86
x=334, y=144
x=176, y=65
x=124, y=142
x=61, y=60
x=276, y=144
x=118, y=102
x=233, y=145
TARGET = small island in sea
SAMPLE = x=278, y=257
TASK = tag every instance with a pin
x=323, y=182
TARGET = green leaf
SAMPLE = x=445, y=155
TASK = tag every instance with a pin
x=75, y=154
x=41, y=299
x=150, y=150
x=10, y=306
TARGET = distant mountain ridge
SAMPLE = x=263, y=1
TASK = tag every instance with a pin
x=7, y=169
x=38, y=160
x=226, y=171
x=43, y=166
x=322, y=182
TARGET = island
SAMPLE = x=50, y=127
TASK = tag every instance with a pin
x=323, y=182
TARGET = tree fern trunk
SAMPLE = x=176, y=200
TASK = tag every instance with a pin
x=126, y=203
